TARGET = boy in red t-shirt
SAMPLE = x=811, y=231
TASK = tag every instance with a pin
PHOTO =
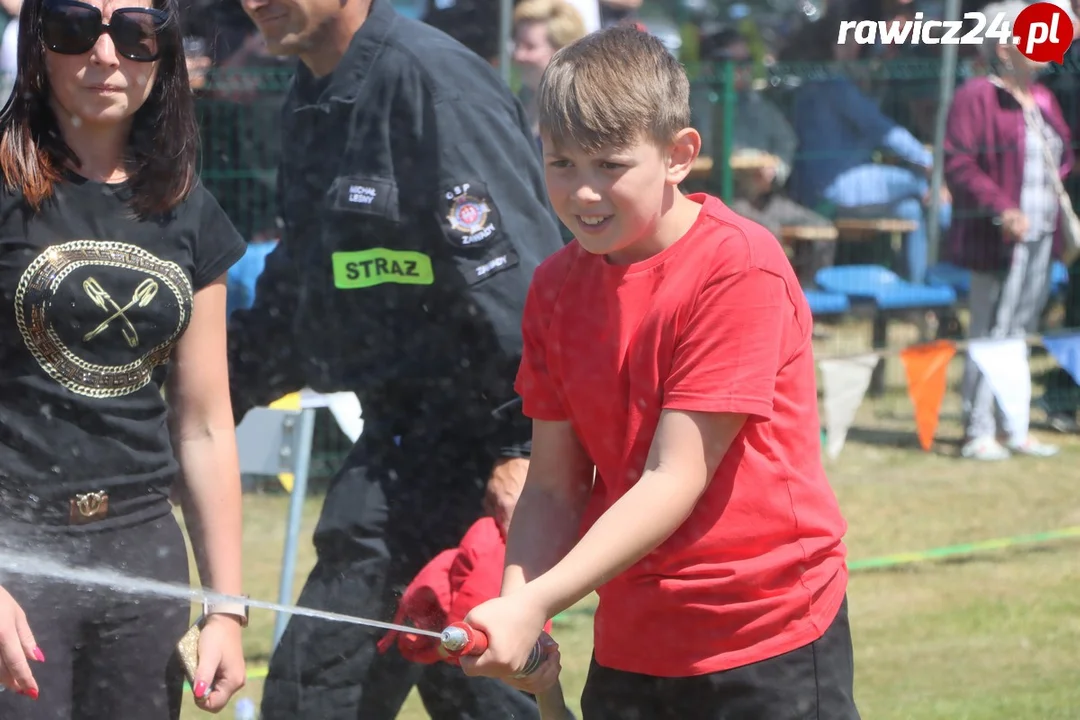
x=668, y=352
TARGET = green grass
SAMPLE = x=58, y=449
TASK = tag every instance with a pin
x=983, y=637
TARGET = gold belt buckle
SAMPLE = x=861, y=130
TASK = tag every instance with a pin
x=89, y=507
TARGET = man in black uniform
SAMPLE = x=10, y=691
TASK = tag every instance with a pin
x=414, y=215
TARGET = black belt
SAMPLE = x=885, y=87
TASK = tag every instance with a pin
x=78, y=508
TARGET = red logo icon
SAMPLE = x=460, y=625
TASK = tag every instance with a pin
x=1043, y=32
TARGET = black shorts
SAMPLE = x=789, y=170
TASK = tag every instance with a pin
x=813, y=682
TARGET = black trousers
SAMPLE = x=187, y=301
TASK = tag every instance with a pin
x=395, y=504
x=108, y=656
x=813, y=682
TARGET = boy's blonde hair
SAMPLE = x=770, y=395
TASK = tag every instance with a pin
x=611, y=89
x=562, y=20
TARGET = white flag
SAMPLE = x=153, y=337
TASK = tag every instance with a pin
x=1004, y=366
x=344, y=406
x=844, y=381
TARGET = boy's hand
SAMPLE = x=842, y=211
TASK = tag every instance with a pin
x=512, y=625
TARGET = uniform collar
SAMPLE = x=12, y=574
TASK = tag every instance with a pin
x=345, y=81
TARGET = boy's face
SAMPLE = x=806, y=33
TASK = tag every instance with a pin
x=612, y=199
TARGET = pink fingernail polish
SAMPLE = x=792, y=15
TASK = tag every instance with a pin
x=31, y=693
x=38, y=655
x=200, y=689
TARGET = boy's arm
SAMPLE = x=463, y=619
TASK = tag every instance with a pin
x=548, y=514
x=685, y=453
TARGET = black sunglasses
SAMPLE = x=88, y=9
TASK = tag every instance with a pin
x=70, y=27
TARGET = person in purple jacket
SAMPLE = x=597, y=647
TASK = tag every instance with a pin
x=1006, y=227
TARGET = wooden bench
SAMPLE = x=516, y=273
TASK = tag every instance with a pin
x=752, y=160
x=702, y=168
x=865, y=230
x=795, y=233
x=703, y=164
x=860, y=228
x=792, y=235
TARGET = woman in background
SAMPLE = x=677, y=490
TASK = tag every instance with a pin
x=1007, y=228
x=541, y=27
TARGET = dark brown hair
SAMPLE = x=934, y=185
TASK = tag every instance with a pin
x=163, y=147
x=611, y=88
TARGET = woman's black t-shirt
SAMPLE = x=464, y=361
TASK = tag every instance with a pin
x=94, y=301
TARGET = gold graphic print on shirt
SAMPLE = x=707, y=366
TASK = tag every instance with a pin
x=99, y=316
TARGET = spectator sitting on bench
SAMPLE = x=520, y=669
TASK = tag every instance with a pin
x=839, y=128
x=763, y=148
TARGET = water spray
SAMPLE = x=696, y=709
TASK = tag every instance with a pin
x=457, y=640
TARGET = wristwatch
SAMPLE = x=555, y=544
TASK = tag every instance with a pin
x=238, y=610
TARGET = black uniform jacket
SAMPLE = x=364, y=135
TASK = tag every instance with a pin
x=414, y=216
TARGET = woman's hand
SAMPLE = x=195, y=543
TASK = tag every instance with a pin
x=1015, y=225
x=17, y=646
x=221, y=669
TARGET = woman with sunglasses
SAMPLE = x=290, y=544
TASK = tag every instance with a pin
x=112, y=273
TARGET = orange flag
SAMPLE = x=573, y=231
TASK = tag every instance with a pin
x=926, y=367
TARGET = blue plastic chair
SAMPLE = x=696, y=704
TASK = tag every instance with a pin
x=887, y=294
x=883, y=287
x=827, y=303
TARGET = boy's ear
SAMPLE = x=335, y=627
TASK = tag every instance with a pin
x=683, y=152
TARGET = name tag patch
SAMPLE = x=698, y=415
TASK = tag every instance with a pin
x=368, y=268
x=361, y=194
x=366, y=195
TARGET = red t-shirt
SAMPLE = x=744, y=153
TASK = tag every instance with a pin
x=715, y=323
